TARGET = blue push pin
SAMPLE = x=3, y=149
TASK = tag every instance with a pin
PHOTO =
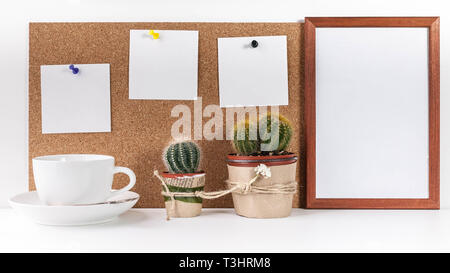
x=74, y=69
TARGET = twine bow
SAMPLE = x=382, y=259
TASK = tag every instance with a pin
x=243, y=188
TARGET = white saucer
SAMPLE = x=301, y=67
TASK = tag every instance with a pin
x=29, y=205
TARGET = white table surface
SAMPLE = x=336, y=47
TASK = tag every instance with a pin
x=221, y=230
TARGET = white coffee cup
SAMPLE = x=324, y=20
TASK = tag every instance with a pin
x=70, y=179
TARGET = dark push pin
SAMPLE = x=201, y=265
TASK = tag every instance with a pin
x=254, y=44
x=74, y=69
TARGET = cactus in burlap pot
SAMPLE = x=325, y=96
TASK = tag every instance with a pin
x=271, y=196
x=182, y=160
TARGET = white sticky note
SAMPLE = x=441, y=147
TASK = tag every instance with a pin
x=251, y=76
x=372, y=112
x=75, y=103
x=164, y=68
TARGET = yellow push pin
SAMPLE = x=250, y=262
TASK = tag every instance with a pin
x=154, y=34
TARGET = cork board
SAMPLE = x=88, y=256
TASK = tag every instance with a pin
x=141, y=128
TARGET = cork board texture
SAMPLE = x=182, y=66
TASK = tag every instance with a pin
x=140, y=129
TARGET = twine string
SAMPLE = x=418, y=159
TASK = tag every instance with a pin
x=238, y=187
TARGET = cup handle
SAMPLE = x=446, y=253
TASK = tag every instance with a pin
x=130, y=174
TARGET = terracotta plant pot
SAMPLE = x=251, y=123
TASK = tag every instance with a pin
x=241, y=169
x=184, y=182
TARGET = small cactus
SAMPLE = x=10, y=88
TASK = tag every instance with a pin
x=265, y=142
x=242, y=142
x=284, y=128
x=182, y=157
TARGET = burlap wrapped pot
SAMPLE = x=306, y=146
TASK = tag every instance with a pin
x=181, y=206
x=258, y=204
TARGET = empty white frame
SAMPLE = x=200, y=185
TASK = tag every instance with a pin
x=371, y=115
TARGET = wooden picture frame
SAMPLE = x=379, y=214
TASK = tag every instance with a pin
x=432, y=24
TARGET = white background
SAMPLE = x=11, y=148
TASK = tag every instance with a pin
x=372, y=88
x=146, y=230
x=15, y=16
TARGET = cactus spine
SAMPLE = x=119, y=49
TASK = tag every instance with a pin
x=274, y=134
x=182, y=157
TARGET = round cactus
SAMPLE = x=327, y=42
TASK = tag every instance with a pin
x=278, y=140
x=182, y=157
x=242, y=142
x=273, y=136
